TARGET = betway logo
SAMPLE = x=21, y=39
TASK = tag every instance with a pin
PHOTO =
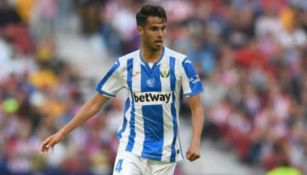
x=152, y=98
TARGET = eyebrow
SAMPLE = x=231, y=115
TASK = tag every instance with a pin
x=158, y=26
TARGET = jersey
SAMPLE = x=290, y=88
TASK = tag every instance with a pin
x=151, y=113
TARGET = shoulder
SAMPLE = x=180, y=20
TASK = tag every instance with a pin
x=121, y=62
x=131, y=55
x=179, y=57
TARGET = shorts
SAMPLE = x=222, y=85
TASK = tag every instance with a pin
x=127, y=163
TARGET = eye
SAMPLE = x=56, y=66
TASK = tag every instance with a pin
x=154, y=28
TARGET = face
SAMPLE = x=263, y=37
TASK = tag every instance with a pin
x=153, y=33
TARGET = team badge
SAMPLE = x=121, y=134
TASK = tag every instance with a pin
x=164, y=73
x=150, y=82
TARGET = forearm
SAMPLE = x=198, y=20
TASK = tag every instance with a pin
x=197, y=124
x=89, y=109
x=198, y=118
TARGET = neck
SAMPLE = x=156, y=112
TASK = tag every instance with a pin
x=150, y=55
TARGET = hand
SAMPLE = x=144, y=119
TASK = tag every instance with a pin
x=50, y=142
x=193, y=152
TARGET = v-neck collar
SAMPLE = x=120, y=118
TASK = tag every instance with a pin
x=146, y=63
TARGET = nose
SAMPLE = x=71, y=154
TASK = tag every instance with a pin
x=160, y=33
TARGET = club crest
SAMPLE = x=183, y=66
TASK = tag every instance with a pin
x=164, y=73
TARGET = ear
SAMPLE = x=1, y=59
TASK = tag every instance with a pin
x=140, y=30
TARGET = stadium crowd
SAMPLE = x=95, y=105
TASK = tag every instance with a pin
x=251, y=55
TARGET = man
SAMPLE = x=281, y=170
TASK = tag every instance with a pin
x=155, y=78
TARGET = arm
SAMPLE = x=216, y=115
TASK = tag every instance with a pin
x=198, y=119
x=89, y=109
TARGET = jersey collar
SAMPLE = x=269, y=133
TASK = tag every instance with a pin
x=143, y=62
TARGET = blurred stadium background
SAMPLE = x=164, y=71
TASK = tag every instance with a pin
x=251, y=55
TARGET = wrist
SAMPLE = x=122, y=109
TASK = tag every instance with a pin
x=62, y=133
x=196, y=142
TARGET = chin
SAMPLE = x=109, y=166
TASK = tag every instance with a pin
x=157, y=47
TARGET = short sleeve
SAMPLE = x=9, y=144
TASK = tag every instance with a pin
x=191, y=84
x=111, y=83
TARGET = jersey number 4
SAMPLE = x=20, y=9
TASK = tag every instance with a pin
x=119, y=165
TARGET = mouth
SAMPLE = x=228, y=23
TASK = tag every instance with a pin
x=159, y=42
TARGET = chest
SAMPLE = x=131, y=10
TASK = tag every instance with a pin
x=156, y=78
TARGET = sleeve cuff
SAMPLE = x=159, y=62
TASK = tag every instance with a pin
x=198, y=91
x=104, y=93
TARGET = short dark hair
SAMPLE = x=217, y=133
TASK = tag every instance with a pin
x=150, y=10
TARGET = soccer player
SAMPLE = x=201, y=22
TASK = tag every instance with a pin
x=156, y=78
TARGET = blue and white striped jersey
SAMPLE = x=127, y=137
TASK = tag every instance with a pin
x=151, y=114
